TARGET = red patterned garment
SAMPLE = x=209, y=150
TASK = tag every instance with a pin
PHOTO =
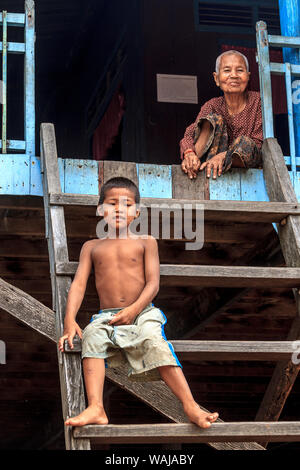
x=248, y=123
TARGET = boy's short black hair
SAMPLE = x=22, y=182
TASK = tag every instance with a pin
x=119, y=182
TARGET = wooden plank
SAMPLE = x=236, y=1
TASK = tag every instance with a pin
x=14, y=47
x=29, y=79
x=186, y=188
x=225, y=211
x=14, y=19
x=81, y=176
x=279, y=69
x=223, y=350
x=27, y=309
x=15, y=178
x=279, y=188
x=71, y=382
x=112, y=169
x=253, y=186
x=217, y=276
x=288, y=431
x=265, y=79
x=226, y=276
x=233, y=350
x=227, y=187
x=155, y=180
x=284, y=41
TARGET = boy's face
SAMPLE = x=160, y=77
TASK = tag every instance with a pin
x=119, y=207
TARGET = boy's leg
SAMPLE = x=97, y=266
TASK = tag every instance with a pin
x=174, y=378
x=94, y=375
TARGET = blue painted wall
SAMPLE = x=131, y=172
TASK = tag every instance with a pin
x=22, y=177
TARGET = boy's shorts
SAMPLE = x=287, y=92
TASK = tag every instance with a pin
x=142, y=345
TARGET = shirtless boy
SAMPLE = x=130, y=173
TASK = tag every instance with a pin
x=128, y=325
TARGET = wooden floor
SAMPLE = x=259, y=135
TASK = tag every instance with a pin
x=30, y=406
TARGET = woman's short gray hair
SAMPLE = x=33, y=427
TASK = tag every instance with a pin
x=218, y=61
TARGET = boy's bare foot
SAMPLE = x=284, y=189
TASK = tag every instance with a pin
x=93, y=414
x=198, y=416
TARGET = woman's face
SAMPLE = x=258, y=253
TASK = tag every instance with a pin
x=233, y=76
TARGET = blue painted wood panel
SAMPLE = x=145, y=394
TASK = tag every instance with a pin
x=227, y=187
x=36, y=184
x=14, y=174
x=81, y=176
x=155, y=180
x=253, y=186
x=20, y=175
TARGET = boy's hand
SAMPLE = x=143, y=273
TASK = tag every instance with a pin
x=70, y=331
x=125, y=316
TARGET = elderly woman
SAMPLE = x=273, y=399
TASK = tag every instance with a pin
x=228, y=130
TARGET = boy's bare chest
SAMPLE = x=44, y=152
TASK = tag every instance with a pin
x=113, y=253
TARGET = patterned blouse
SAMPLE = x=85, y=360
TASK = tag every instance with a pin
x=247, y=123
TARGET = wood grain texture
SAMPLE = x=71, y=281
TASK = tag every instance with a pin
x=72, y=388
x=27, y=309
x=188, y=350
x=280, y=188
x=190, y=433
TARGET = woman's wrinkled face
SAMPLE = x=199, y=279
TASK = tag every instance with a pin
x=233, y=76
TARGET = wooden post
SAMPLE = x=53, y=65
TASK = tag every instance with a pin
x=72, y=389
x=279, y=188
x=290, y=26
x=29, y=77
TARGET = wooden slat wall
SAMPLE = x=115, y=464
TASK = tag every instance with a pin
x=82, y=177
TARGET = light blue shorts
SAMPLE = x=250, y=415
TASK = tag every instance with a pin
x=143, y=345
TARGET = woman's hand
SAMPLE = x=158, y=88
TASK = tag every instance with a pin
x=215, y=164
x=70, y=330
x=190, y=164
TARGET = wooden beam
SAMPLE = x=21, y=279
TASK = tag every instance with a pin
x=27, y=309
x=83, y=227
x=279, y=188
x=216, y=276
x=71, y=381
x=199, y=350
x=227, y=211
x=189, y=433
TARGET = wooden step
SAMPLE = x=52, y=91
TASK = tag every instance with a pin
x=218, y=211
x=223, y=350
x=288, y=431
x=217, y=276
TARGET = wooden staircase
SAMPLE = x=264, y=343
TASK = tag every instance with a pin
x=283, y=210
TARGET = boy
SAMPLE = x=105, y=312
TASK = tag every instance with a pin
x=126, y=268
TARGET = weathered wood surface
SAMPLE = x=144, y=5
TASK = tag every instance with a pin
x=156, y=394
x=190, y=433
x=72, y=388
x=224, y=350
x=217, y=276
x=279, y=188
x=185, y=188
x=112, y=169
x=226, y=211
x=84, y=227
x=27, y=309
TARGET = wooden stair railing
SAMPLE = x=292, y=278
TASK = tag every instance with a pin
x=220, y=435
